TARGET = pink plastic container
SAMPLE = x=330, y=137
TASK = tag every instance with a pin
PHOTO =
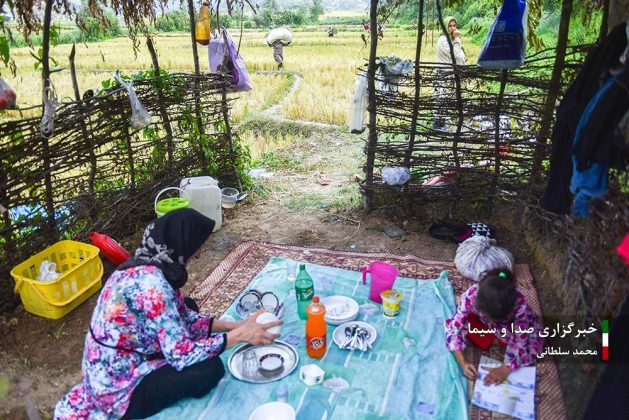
x=382, y=278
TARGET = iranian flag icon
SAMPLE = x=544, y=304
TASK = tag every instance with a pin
x=605, y=353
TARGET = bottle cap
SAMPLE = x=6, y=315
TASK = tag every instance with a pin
x=315, y=299
x=302, y=266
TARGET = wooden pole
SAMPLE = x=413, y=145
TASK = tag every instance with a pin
x=553, y=93
x=197, y=94
x=87, y=138
x=162, y=107
x=372, y=139
x=417, y=82
x=45, y=61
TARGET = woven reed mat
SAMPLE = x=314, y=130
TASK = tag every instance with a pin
x=236, y=270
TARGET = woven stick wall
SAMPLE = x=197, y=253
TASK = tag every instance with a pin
x=488, y=146
x=494, y=147
x=97, y=172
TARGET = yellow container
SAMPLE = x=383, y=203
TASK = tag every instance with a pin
x=81, y=272
x=391, y=303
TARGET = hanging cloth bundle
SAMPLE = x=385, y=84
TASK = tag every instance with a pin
x=359, y=105
x=47, y=125
x=505, y=46
x=203, y=27
x=140, y=118
x=223, y=55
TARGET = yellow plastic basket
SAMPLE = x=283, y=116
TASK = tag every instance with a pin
x=81, y=273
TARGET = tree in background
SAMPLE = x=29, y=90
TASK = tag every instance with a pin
x=316, y=10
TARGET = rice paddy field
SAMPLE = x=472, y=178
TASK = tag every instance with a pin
x=327, y=66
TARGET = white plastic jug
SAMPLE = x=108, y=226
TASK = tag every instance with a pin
x=205, y=197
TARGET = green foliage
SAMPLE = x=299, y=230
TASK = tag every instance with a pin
x=175, y=21
x=316, y=10
x=94, y=30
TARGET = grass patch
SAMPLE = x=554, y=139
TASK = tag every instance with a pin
x=306, y=201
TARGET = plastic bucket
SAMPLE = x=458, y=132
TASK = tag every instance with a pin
x=169, y=204
x=382, y=278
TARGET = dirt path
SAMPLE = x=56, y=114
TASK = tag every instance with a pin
x=274, y=111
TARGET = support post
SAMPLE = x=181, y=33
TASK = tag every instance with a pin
x=87, y=138
x=45, y=61
x=162, y=104
x=417, y=82
x=372, y=139
x=553, y=93
x=197, y=93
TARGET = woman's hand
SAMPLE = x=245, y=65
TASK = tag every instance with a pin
x=252, y=332
x=497, y=375
x=469, y=370
x=456, y=34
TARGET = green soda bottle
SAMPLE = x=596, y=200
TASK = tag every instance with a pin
x=304, y=289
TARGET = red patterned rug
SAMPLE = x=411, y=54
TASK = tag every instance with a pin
x=236, y=270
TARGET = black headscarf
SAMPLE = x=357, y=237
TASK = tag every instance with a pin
x=169, y=242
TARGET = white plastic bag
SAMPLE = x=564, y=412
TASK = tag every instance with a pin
x=478, y=254
x=140, y=118
x=396, y=175
x=47, y=271
x=359, y=106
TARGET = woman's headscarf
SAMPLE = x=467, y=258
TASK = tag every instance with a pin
x=169, y=242
x=446, y=23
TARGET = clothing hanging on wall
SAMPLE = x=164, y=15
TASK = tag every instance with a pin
x=595, y=70
x=594, y=150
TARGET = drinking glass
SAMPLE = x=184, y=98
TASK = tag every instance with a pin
x=249, y=364
x=291, y=270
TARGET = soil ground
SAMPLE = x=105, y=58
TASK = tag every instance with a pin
x=41, y=359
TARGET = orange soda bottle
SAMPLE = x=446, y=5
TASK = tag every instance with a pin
x=316, y=329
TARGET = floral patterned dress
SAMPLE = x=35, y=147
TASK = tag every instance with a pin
x=137, y=311
x=521, y=349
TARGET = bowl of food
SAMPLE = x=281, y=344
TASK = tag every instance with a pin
x=271, y=364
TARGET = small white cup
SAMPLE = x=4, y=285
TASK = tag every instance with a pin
x=311, y=374
x=266, y=317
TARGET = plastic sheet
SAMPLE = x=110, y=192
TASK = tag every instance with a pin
x=396, y=175
x=505, y=46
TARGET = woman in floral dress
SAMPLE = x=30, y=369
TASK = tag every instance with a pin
x=147, y=347
x=495, y=304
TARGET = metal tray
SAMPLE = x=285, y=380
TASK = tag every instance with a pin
x=288, y=352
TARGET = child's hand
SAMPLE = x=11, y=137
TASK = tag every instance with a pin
x=469, y=370
x=496, y=375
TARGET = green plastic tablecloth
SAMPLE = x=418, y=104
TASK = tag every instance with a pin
x=409, y=373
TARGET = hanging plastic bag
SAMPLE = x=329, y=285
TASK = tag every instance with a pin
x=478, y=254
x=47, y=271
x=391, y=72
x=140, y=118
x=396, y=175
x=505, y=46
x=7, y=95
x=358, y=108
x=241, y=82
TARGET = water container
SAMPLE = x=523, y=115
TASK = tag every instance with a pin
x=205, y=197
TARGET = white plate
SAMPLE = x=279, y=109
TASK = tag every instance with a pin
x=339, y=309
x=339, y=332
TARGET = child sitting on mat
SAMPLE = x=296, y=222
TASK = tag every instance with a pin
x=495, y=304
